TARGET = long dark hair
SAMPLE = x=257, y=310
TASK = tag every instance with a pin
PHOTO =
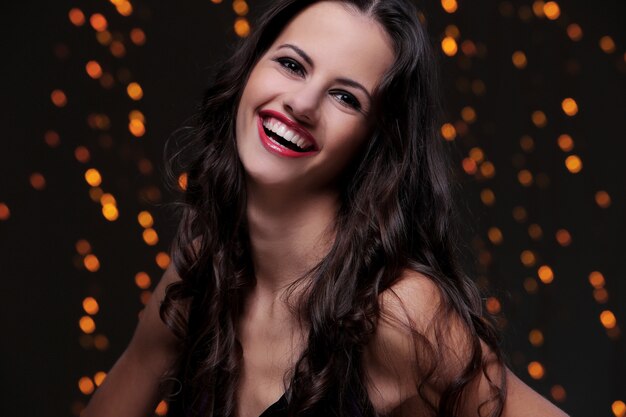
x=397, y=212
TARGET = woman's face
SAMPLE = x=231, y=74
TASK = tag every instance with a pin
x=316, y=81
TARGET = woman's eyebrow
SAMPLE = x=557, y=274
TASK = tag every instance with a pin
x=345, y=81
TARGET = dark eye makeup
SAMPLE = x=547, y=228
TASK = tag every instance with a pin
x=294, y=67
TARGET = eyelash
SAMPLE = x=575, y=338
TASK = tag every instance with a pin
x=352, y=102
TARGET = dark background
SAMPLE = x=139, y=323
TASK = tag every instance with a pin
x=42, y=278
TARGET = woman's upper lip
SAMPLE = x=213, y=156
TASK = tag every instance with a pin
x=291, y=124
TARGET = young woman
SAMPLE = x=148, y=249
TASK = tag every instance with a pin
x=315, y=268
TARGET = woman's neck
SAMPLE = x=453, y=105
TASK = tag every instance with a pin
x=289, y=234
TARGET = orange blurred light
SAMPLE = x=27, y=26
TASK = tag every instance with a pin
x=449, y=46
x=449, y=6
x=110, y=212
x=134, y=91
x=142, y=280
x=77, y=17
x=91, y=263
x=90, y=305
x=536, y=370
x=85, y=385
x=566, y=143
x=573, y=164
x=619, y=408
x=519, y=59
x=448, y=131
x=98, y=22
x=138, y=36
x=575, y=32
x=136, y=128
x=528, y=258
x=58, y=98
x=37, y=181
x=87, y=325
x=242, y=27
x=603, y=199
x=94, y=70
x=5, y=213
x=150, y=236
x=607, y=44
x=551, y=10
x=93, y=177
x=545, y=273
x=607, y=318
x=569, y=106
x=162, y=260
x=240, y=7
x=535, y=337
x=161, y=408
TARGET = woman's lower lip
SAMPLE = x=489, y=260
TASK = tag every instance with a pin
x=276, y=148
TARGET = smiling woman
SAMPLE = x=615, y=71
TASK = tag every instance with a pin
x=315, y=269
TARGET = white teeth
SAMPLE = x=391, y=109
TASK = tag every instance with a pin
x=282, y=130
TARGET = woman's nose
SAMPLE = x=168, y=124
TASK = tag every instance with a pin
x=304, y=102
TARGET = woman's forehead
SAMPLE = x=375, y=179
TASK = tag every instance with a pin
x=339, y=40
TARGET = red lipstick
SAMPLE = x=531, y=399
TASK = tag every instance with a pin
x=275, y=147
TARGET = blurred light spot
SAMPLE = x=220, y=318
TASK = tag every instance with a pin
x=77, y=17
x=596, y=279
x=107, y=81
x=607, y=44
x=558, y=393
x=101, y=342
x=545, y=273
x=525, y=13
x=536, y=370
x=468, y=114
x=91, y=263
x=493, y=305
x=110, y=212
x=242, y=27
x=124, y=8
x=90, y=305
x=519, y=60
x=144, y=297
x=563, y=237
x=117, y=49
x=487, y=169
x=87, y=325
x=5, y=213
x=37, y=181
x=99, y=377
x=85, y=385
x=145, y=166
x=182, y=181
x=573, y=164
x=145, y=219
x=535, y=231
x=530, y=285
x=52, y=138
x=525, y=177
x=495, y=235
x=449, y=46
x=575, y=32
x=137, y=115
x=449, y=6
x=469, y=166
x=539, y=118
x=527, y=143
x=150, y=236
x=478, y=87
x=535, y=337
x=240, y=7
x=569, y=106
x=134, y=91
x=519, y=214
x=83, y=247
x=104, y=38
x=452, y=31
x=469, y=48
x=58, y=98
x=94, y=70
x=161, y=408
x=528, y=258
x=142, y=280
x=600, y=295
x=162, y=260
x=93, y=177
x=216, y=1
x=81, y=154
x=603, y=199
x=608, y=319
x=98, y=22
x=138, y=36
x=566, y=143
x=107, y=199
x=487, y=197
x=477, y=154
x=137, y=128
x=538, y=8
x=551, y=10
x=95, y=193
x=448, y=131
x=619, y=408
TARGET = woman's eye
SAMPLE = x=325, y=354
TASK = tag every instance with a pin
x=349, y=100
x=290, y=65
